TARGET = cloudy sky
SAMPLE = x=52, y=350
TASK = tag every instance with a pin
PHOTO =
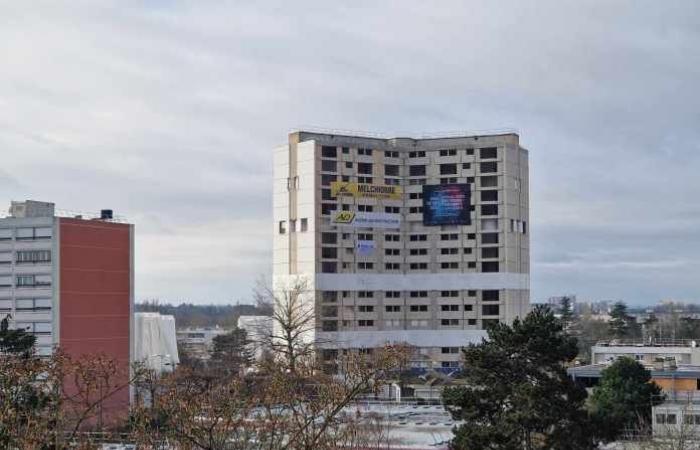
x=167, y=112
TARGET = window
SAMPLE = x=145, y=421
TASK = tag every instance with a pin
x=470, y=179
x=471, y=321
x=470, y=151
x=448, y=169
x=691, y=419
x=471, y=265
x=491, y=266
x=449, y=350
x=449, y=307
x=416, y=181
x=448, y=152
x=418, y=237
x=364, y=151
x=490, y=181
x=329, y=166
x=449, y=293
x=489, y=252
x=392, y=237
x=365, y=294
x=449, y=265
x=448, y=180
x=488, y=153
x=365, y=308
x=5, y=280
x=329, y=296
x=419, y=308
x=365, y=237
x=346, y=151
x=327, y=209
x=471, y=236
x=392, y=308
x=489, y=196
x=415, y=195
x=24, y=234
x=365, y=180
x=467, y=251
x=418, y=294
x=449, y=251
x=33, y=304
x=392, y=294
x=468, y=307
x=416, y=171
x=326, y=194
x=329, y=311
x=5, y=234
x=666, y=419
x=471, y=293
x=329, y=252
x=365, y=265
x=345, y=207
x=391, y=154
x=328, y=151
x=449, y=237
x=489, y=225
x=329, y=238
x=392, y=252
x=365, y=208
x=488, y=167
x=419, y=154
x=304, y=225
x=415, y=210
x=392, y=209
x=489, y=210
x=466, y=166
x=345, y=178
x=449, y=322
x=489, y=310
x=491, y=295
x=418, y=251
x=329, y=325
x=329, y=267
x=348, y=164
x=392, y=181
x=391, y=170
x=349, y=250
x=364, y=168
x=489, y=238
x=418, y=266
x=365, y=323
x=33, y=256
x=326, y=180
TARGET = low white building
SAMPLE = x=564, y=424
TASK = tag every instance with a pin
x=257, y=328
x=155, y=342
x=683, y=351
x=199, y=341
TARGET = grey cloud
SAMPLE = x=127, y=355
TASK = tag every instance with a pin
x=168, y=111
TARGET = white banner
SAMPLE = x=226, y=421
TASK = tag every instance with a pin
x=366, y=219
x=365, y=248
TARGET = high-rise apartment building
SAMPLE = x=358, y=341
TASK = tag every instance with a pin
x=421, y=241
x=69, y=280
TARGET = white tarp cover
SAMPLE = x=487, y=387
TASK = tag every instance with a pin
x=155, y=341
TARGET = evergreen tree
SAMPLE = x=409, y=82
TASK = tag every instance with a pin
x=620, y=321
x=624, y=397
x=517, y=394
x=15, y=341
x=566, y=312
x=231, y=353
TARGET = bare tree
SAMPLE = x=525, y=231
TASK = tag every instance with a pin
x=292, y=337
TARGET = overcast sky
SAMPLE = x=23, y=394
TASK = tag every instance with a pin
x=167, y=112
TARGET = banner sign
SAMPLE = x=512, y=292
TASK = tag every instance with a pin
x=339, y=188
x=365, y=248
x=366, y=219
x=447, y=204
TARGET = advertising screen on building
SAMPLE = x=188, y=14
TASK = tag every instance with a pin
x=447, y=204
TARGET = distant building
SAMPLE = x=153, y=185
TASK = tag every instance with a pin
x=199, y=341
x=156, y=345
x=682, y=351
x=257, y=328
x=68, y=278
x=423, y=241
x=555, y=303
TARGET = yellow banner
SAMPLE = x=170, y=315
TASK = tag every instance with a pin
x=365, y=190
